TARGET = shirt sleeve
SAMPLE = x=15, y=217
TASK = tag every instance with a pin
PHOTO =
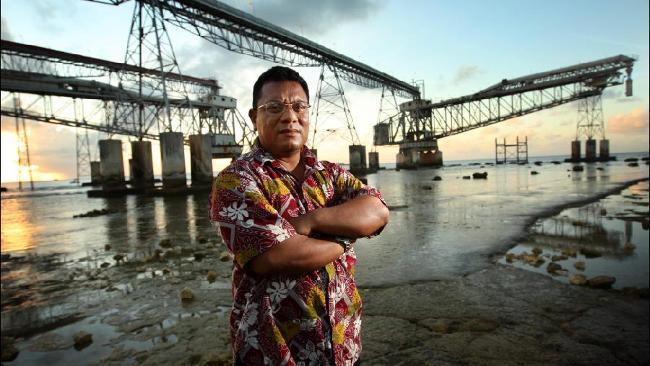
x=247, y=222
x=348, y=187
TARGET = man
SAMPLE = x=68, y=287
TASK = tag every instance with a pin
x=286, y=216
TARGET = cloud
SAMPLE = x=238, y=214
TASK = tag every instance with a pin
x=466, y=72
x=6, y=34
x=630, y=123
x=313, y=16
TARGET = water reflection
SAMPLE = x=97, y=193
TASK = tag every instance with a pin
x=17, y=230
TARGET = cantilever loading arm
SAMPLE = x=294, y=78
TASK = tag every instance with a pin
x=422, y=120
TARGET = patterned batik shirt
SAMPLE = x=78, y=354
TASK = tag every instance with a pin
x=309, y=319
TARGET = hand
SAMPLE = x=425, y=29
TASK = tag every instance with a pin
x=303, y=224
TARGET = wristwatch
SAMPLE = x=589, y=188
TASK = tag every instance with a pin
x=346, y=243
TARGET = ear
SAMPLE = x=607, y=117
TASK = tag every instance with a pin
x=252, y=114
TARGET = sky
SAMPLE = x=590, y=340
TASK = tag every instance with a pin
x=454, y=47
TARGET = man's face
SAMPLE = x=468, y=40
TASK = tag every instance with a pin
x=283, y=133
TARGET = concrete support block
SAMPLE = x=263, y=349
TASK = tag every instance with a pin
x=172, y=157
x=575, y=150
x=373, y=161
x=111, y=165
x=590, y=150
x=604, y=149
x=95, y=173
x=201, y=159
x=358, y=159
x=431, y=158
x=141, y=164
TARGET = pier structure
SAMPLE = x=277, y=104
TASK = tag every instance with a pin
x=421, y=121
x=591, y=128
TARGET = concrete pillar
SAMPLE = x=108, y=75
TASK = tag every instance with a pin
x=373, y=161
x=141, y=164
x=201, y=159
x=590, y=150
x=172, y=157
x=95, y=173
x=575, y=150
x=358, y=158
x=111, y=165
x=604, y=150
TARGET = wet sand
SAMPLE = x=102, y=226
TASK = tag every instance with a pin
x=498, y=315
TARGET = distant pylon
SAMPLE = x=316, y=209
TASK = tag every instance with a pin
x=330, y=103
x=22, y=147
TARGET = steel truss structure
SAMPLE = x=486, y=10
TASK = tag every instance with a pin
x=590, y=118
x=421, y=120
x=78, y=91
x=243, y=33
x=330, y=103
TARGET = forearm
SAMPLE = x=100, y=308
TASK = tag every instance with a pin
x=356, y=218
x=297, y=254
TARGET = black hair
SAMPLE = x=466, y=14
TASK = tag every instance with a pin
x=277, y=73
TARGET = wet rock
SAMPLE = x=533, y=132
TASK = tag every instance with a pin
x=553, y=267
x=534, y=172
x=467, y=177
x=630, y=160
x=186, y=295
x=105, y=265
x=633, y=164
x=537, y=250
x=437, y=177
x=225, y=256
x=557, y=258
x=118, y=258
x=603, y=212
x=603, y=282
x=600, y=168
x=578, y=280
x=538, y=163
x=569, y=252
x=478, y=175
x=171, y=254
x=590, y=253
x=82, y=340
x=202, y=239
x=578, y=168
x=211, y=276
x=426, y=188
x=93, y=213
x=107, y=247
x=580, y=265
x=9, y=351
x=166, y=271
x=165, y=243
x=510, y=257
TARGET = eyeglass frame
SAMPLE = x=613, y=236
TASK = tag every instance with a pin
x=285, y=104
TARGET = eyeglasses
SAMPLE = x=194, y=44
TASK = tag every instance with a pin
x=275, y=107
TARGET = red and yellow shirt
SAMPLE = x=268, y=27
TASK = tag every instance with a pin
x=308, y=319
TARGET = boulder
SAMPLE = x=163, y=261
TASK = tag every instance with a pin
x=553, y=267
x=578, y=280
x=633, y=164
x=107, y=247
x=186, y=295
x=437, y=177
x=480, y=175
x=601, y=282
x=534, y=172
x=82, y=340
x=211, y=276
x=580, y=265
x=578, y=168
x=590, y=253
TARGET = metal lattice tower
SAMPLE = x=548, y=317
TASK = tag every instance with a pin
x=590, y=118
x=330, y=107
x=149, y=46
x=82, y=143
x=22, y=147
